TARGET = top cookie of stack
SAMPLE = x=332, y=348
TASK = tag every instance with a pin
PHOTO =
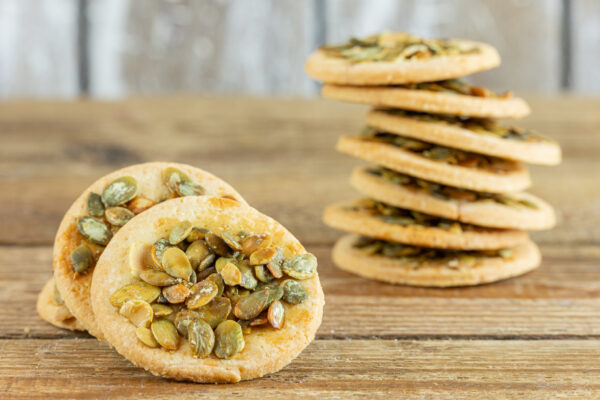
x=445, y=206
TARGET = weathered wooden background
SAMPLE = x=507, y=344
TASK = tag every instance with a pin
x=112, y=48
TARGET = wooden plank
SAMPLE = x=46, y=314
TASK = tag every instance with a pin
x=208, y=46
x=527, y=34
x=286, y=147
x=559, y=299
x=585, y=41
x=327, y=368
x=38, y=48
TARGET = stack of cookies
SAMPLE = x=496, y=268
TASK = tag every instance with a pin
x=445, y=202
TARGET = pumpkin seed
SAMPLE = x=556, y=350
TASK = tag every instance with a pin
x=140, y=204
x=276, y=314
x=274, y=266
x=275, y=293
x=81, y=259
x=263, y=256
x=505, y=253
x=229, y=271
x=217, y=245
x=262, y=319
x=248, y=280
x=252, y=305
x=231, y=241
x=263, y=274
x=120, y=191
x=182, y=320
x=254, y=242
x=201, y=337
x=57, y=298
x=201, y=293
x=215, y=311
x=197, y=234
x=189, y=188
x=176, y=294
x=157, y=252
x=118, y=216
x=95, y=205
x=93, y=230
x=234, y=293
x=293, y=291
x=176, y=263
x=208, y=261
x=171, y=176
x=138, y=312
x=204, y=273
x=157, y=278
x=303, y=266
x=161, y=310
x=229, y=339
x=196, y=252
x=145, y=336
x=217, y=280
x=165, y=333
x=180, y=232
x=134, y=291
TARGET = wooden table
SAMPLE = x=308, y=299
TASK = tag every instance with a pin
x=532, y=337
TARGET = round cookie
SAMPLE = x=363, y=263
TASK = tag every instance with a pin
x=75, y=288
x=478, y=136
x=521, y=211
x=436, y=102
x=525, y=257
x=398, y=58
x=266, y=350
x=513, y=177
x=53, y=313
x=401, y=226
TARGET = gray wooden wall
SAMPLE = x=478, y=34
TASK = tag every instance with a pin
x=113, y=48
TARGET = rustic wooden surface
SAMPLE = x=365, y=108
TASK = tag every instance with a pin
x=537, y=336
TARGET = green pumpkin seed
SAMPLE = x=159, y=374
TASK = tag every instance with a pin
x=505, y=253
x=157, y=252
x=217, y=245
x=254, y=242
x=57, y=298
x=229, y=339
x=165, y=333
x=161, y=310
x=81, y=259
x=217, y=280
x=196, y=252
x=274, y=266
x=134, y=291
x=263, y=274
x=95, y=205
x=118, y=216
x=157, y=278
x=215, y=311
x=263, y=256
x=176, y=263
x=201, y=293
x=189, y=188
x=301, y=267
x=275, y=293
x=145, y=336
x=138, y=312
x=176, y=294
x=120, y=191
x=234, y=293
x=276, y=314
x=201, y=337
x=180, y=232
x=93, y=230
x=171, y=176
x=182, y=320
x=293, y=291
x=248, y=280
x=231, y=241
x=251, y=306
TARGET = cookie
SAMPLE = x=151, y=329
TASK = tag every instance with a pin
x=375, y=219
x=522, y=211
x=266, y=349
x=399, y=58
x=452, y=97
x=75, y=288
x=51, y=308
x=458, y=269
x=483, y=136
x=437, y=163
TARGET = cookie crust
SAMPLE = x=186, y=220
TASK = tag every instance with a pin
x=57, y=315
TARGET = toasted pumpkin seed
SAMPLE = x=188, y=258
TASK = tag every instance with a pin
x=196, y=252
x=229, y=339
x=201, y=337
x=118, y=216
x=176, y=263
x=204, y=273
x=262, y=319
x=293, y=291
x=208, y=261
x=138, y=312
x=161, y=310
x=189, y=188
x=180, y=232
x=248, y=280
x=171, y=176
x=254, y=242
x=95, y=205
x=217, y=245
x=182, y=320
x=165, y=333
x=145, y=336
x=120, y=191
x=276, y=314
x=197, y=234
x=263, y=274
x=303, y=266
x=140, y=204
x=234, y=293
x=231, y=274
x=231, y=241
x=81, y=259
x=252, y=305
x=57, y=298
x=157, y=278
x=274, y=266
x=217, y=279
x=93, y=230
x=134, y=291
x=263, y=256
x=176, y=294
x=201, y=293
x=157, y=252
x=215, y=311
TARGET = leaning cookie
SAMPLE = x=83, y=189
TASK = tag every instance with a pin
x=453, y=97
x=234, y=296
x=521, y=211
x=103, y=208
x=483, y=136
x=437, y=163
x=51, y=308
x=407, y=265
x=398, y=58
x=372, y=218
